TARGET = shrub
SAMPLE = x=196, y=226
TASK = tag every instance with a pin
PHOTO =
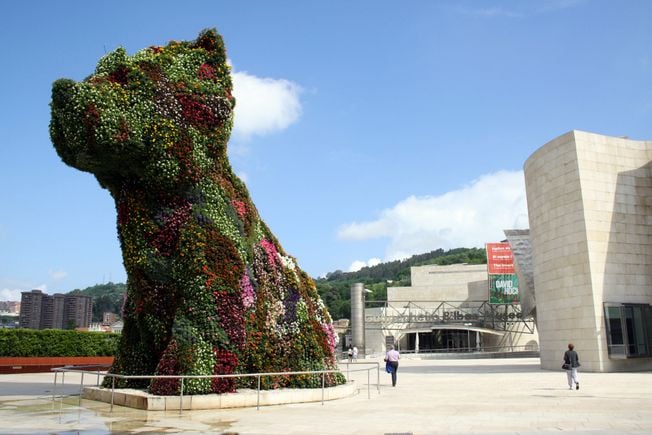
x=56, y=342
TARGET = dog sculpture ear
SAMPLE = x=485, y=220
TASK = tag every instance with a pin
x=114, y=66
x=212, y=42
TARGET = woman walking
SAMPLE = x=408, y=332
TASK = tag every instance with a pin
x=571, y=363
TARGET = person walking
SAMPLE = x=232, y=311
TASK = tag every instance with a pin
x=571, y=363
x=355, y=353
x=392, y=356
x=350, y=354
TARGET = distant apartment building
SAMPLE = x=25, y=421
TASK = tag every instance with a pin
x=78, y=311
x=109, y=318
x=11, y=307
x=30, y=309
x=59, y=311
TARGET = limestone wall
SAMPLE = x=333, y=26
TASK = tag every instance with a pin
x=457, y=282
x=588, y=204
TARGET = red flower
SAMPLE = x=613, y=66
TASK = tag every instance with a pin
x=206, y=72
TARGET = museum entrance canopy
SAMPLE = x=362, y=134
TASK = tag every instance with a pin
x=406, y=315
x=448, y=326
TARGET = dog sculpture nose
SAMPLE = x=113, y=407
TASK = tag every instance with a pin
x=62, y=107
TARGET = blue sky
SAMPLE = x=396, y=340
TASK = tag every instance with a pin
x=365, y=131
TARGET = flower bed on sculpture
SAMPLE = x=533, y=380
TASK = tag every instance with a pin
x=210, y=289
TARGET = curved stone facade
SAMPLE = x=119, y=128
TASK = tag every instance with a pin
x=589, y=204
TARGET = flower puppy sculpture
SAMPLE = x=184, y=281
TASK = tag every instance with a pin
x=210, y=290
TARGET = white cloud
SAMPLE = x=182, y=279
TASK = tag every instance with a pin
x=57, y=275
x=489, y=12
x=359, y=264
x=518, y=9
x=467, y=217
x=7, y=294
x=10, y=294
x=263, y=105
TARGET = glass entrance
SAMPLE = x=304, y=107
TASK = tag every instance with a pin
x=443, y=340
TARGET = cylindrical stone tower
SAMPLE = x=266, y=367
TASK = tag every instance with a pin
x=357, y=316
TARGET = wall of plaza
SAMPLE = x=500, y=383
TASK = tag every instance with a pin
x=590, y=210
x=450, y=300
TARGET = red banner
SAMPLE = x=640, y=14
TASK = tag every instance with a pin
x=499, y=258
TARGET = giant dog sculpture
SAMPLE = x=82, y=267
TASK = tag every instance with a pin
x=210, y=289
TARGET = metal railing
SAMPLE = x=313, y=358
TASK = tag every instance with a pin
x=374, y=364
x=87, y=369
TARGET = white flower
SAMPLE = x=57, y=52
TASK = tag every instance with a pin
x=287, y=262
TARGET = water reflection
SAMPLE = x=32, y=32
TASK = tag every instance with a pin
x=69, y=415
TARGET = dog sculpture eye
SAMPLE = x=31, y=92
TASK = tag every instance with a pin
x=210, y=289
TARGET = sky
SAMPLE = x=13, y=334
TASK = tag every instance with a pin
x=365, y=131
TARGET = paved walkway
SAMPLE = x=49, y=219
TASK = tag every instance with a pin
x=432, y=396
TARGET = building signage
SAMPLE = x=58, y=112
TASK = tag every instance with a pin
x=503, y=282
x=503, y=289
x=438, y=316
x=499, y=258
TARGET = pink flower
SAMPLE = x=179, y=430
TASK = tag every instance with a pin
x=270, y=250
x=240, y=208
x=248, y=295
x=330, y=335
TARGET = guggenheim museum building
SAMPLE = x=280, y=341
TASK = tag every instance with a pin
x=583, y=270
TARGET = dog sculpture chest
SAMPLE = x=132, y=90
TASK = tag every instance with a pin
x=210, y=290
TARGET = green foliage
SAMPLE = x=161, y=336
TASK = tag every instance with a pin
x=335, y=288
x=56, y=342
x=457, y=256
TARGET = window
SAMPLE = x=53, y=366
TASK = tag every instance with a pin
x=629, y=330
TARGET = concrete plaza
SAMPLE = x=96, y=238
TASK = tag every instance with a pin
x=432, y=396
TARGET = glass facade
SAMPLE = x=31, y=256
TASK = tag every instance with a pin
x=443, y=340
x=629, y=330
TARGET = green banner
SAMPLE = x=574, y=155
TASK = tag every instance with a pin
x=503, y=289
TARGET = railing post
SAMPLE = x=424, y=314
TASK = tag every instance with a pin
x=323, y=377
x=81, y=386
x=181, y=397
x=368, y=384
x=378, y=377
x=54, y=389
x=258, y=393
x=112, y=391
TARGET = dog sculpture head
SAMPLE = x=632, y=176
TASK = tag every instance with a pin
x=162, y=116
